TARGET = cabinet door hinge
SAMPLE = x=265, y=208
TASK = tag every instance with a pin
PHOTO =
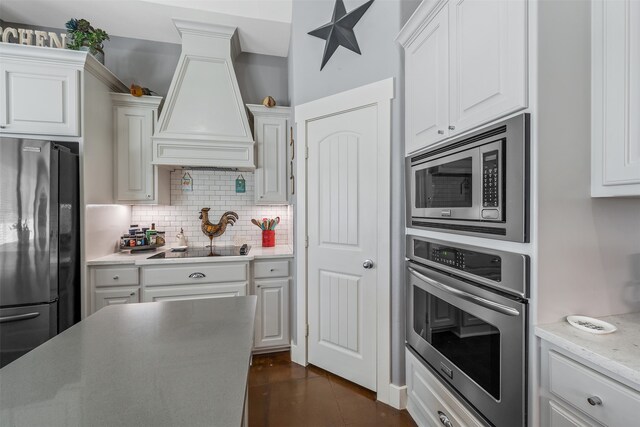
x=306, y=152
x=306, y=242
x=306, y=331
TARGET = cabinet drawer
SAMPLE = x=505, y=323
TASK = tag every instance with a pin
x=194, y=274
x=186, y=292
x=116, y=276
x=113, y=296
x=270, y=268
x=576, y=383
x=429, y=402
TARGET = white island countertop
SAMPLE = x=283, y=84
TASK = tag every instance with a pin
x=618, y=352
x=142, y=258
x=151, y=364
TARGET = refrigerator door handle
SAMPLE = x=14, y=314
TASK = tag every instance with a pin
x=18, y=317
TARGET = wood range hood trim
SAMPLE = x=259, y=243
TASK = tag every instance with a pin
x=204, y=121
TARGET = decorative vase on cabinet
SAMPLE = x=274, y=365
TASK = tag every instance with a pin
x=615, y=98
x=137, y=180
x=271, y=131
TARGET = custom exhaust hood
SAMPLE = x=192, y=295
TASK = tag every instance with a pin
x=204, y=121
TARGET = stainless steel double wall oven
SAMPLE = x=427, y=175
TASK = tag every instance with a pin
x=467, y=306
x=467, y=318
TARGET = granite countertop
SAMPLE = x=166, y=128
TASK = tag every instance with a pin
x=256, y=252
x=618, y=352
x=150, y=364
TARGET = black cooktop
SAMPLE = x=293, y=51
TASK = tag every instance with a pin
x=204, y=252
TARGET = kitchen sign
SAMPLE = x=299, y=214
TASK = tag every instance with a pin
x=34, y=37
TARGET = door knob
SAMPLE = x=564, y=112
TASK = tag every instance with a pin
x=367, y=264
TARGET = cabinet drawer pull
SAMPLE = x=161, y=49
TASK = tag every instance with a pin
x=594, y=401
x=116, y=277
x=452, y=128
x=3, y=126
x=197, y=275
x=444, y=419
x=440, y=132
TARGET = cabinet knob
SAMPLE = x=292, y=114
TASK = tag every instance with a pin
x=444, y=419
x=272, y=270
x=132, y=294
x=116, y=277
x=594, y=401
x=440, y=132
x=148, y=196
x=452, y=128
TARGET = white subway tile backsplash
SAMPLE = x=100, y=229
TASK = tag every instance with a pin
x=216, y=190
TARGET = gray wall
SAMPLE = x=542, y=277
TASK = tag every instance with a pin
x=152, y=64
x=381, y=58
x=589, y=249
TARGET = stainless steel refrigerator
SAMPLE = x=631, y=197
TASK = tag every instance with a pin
x=39, y=244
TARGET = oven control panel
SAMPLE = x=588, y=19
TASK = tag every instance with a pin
x=488, y=266
x=490, y=174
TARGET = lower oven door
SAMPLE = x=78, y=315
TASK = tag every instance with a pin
x=474, y=338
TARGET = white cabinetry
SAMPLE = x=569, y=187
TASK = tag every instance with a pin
x=194, y=281
x=40, y=98
x=137, y=180
x=429, y=402
x=574, y=394
x=114, y=285
x=271, y=133
x=465, y=65
x=615, y=98
x=271, y=285
x=427, y=82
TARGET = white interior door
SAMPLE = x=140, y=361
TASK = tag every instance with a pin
x=343, y=227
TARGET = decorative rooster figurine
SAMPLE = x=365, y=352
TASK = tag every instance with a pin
x=216, y=230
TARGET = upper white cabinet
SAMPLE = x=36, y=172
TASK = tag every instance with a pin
x=615, y=98
x=136, y=178
x=465, y=65
x=40, y=99
x=427, y=83
x=271, y=133
x=488, y=42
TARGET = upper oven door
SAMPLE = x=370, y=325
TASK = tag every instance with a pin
x=474, y=338
x=447, y=187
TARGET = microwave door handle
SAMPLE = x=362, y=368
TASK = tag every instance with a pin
x=500, y=308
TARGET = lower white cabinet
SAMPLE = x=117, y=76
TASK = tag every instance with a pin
x=185, y=292
x=574, y=394
x=560, y=416
x=429, y=402
x=272, y=313
x=112, y=296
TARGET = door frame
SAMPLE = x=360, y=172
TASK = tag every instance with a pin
x=377, y=94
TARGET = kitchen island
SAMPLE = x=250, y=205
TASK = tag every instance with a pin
x=154, y=364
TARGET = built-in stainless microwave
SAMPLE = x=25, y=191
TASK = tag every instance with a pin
x=477, y=184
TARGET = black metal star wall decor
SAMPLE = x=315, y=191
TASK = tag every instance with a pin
x=339, y=32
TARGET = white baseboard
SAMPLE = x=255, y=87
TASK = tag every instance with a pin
x=398, y=396
x=297, y=355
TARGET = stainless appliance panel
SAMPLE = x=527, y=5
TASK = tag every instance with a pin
x=68, y=254
x=509, y=220
x=24, y=328
x=486, y=363
x=25, y=223
x=512, y=274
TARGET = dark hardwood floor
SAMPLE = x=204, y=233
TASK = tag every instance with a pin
x=284, y=394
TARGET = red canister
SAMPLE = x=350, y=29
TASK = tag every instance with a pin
x=268, y=238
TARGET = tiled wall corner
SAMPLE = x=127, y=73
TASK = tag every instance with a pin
x=216, y=190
